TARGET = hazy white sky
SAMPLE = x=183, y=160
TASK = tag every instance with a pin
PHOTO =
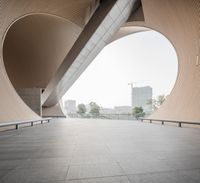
x=146, y=58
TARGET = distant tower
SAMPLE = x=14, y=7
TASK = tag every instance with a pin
x=70, y=106
x=141, y=96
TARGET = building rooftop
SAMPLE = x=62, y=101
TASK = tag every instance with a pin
x=100, y=151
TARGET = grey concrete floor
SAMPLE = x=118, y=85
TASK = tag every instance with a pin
x=100, y=151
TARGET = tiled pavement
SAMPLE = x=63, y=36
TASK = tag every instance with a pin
x=100, y=151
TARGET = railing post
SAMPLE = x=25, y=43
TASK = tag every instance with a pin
x=17, y=127
x=162, y=122
x=179, y=124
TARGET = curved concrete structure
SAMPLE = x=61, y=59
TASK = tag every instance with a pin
x=37, y=35
x=39, y=43
x=179, y=22
x=75, y=13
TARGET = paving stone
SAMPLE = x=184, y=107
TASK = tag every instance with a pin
x=100, y=151
x=165, y=177
x=93, y=170
x=121, y=179
x=32, y=175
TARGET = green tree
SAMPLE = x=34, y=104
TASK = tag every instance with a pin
x=94, y=109
x=138, y=112
x=160, y=99
x=81, y=109
x=157, y=102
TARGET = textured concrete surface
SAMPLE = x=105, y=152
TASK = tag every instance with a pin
x=100, y=151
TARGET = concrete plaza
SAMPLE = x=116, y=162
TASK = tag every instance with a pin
x=100, y=151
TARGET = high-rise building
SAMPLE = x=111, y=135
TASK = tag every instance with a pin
x=70, y=106
x=141, y=97
x=122, y=109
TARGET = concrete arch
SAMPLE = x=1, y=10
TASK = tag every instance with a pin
x=179, y=22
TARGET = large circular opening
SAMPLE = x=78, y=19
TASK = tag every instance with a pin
x=34, y=47
x=142, y=59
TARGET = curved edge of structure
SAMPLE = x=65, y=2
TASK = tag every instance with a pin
x=128, y=30
x=34, y=47
x=179, y=22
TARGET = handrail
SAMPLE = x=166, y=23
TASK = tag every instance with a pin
x=17, y=123
x=55, y=116
x=170, y=121
x=116, y=116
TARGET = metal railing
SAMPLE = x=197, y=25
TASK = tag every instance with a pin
x=103, y=116
x=18, y=123
x=170, y=121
